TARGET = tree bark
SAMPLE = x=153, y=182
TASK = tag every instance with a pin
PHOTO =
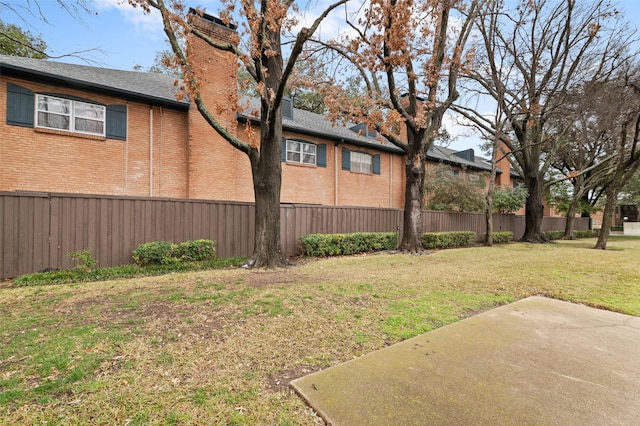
x=488, y=213
x=414, y=193
x=534, y=210
x=488, y=216
x=568, y=226
x=607, y=217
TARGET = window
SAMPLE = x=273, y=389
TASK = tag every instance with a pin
x=65, y=113
x=301, y=152
x=361, y=162
x=70, y=115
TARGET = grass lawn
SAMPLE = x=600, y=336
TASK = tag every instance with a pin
x=219, y=347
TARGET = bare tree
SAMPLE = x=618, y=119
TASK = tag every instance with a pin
x=626, y=155
x=548, y=48
x=265, y=22
x=585, y=147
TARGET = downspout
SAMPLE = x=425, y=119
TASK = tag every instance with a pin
x=390, y=180
x=161, y=156
x=335, y=173
x=151, y=151
x=126, y=157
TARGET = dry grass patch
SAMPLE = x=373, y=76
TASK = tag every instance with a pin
x=219, y=347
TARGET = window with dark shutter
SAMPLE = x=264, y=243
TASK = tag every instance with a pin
x=117, y=122
x=19, y=106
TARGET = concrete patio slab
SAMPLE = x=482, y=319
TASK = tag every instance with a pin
x=537, y=361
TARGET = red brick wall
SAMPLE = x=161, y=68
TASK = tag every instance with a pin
x=42, y=160
x=176, y=154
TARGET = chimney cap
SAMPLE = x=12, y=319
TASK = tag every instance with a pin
x=212, y=19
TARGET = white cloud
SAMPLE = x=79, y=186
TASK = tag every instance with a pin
x=149, y=23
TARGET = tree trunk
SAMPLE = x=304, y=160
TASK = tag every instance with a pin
x=534, y=209
x=414, y=192
x=488, y=216
x=607, y=217
x=568, y=226
x=267, y=181
x=266, y=167
x=488, y=213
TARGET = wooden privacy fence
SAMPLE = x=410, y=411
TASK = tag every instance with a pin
x=38, y=230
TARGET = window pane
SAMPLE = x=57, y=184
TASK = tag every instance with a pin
x=89, y=126
x=293, y=146
x=293, y=156
x=309, y=158
x=53, y=121
x=51, y=104
x=89, y=111
x=308, y=148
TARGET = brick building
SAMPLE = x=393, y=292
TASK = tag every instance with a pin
x=80, y=129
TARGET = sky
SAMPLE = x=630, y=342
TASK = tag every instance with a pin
x=115, y=35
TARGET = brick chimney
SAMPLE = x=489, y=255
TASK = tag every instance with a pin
x=217, y=171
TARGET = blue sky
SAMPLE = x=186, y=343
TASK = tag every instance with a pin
x=118, y=36
x=123, y=36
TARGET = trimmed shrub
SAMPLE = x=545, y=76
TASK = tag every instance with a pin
x=196, y=250
x=554, y=235
x=502, y=237
x=433, y=240
x=166, y=252
x=357, y=242
x=590, y=233
x=154, y=253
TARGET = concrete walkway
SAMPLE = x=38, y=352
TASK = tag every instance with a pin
x=537, y=361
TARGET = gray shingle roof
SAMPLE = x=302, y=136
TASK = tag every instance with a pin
x=312, y=124
x=156, y=88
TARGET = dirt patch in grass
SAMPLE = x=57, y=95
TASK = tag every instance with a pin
x=279, y=381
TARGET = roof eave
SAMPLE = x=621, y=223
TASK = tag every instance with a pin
x=337, y=139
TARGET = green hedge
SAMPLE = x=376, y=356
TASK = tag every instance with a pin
x=357, y=242
x=433, y=240
x=502, y=237
x=165, y=252
x=556, y=235
x=590, y=233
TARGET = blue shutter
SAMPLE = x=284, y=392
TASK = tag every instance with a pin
x=346, y=159
x=283, y=155
x=117, y=122
x=19, y=106
x=376, y=164
x=321, y=155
